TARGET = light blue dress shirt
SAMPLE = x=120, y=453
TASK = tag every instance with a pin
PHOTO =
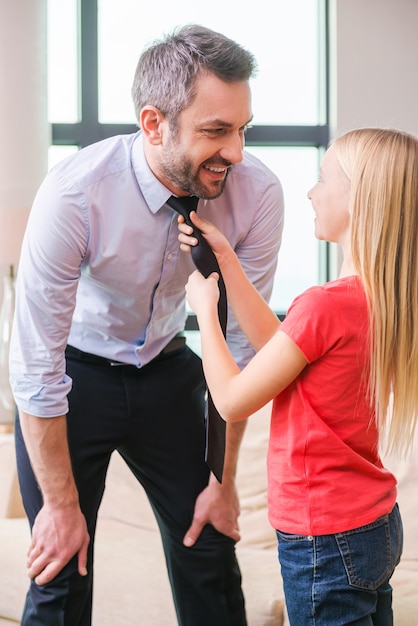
x=101, y=267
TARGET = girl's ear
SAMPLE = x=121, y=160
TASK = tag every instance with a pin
x=151, y=122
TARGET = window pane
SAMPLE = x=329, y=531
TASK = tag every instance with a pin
x=283, y=36
x=299, y=256
x=62, y=61
x=57, y=153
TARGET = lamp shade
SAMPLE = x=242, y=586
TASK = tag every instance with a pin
x=12, y=228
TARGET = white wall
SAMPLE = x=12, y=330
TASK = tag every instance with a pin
x=373, y=69
x=23, y=101
x=24, y=130
x=374, y=64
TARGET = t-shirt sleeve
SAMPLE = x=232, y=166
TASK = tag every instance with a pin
x=312, y=323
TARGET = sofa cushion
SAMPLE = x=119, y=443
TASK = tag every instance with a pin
x=124, y=500
x=15, y=540
x=130, y=580
x=406, y=471
x=405, y=595
x=252, y=483
x=10, y=500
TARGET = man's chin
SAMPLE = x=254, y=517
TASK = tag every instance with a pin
x=213, y=191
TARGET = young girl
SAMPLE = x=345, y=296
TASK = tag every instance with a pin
x=346, y=352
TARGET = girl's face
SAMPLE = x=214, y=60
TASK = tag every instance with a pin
x=330, y=199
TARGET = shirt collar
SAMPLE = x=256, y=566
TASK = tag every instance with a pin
x=154, y=192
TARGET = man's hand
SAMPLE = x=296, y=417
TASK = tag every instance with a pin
x=57, y=536
x=217, y=505
x=60, y=530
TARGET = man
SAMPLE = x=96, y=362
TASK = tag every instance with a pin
x=98, y=363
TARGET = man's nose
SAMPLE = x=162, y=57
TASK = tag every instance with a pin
x=232, y=149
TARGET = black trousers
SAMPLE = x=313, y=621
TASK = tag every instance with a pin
x=154, y=418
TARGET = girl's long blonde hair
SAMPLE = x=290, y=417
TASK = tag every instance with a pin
x=382, y=167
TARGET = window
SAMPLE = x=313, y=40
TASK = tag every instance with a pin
x=93, y=50
x=285, y=90
x=63, y=69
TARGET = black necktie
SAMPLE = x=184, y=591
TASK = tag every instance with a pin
x=205, y=261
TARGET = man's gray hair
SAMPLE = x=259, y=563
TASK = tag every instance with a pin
x=167, y=70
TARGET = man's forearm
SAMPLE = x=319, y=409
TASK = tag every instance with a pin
x=47, y=445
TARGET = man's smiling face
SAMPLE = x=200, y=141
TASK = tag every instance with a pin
x=209, y=138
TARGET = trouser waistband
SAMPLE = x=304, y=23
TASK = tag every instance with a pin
x=176, y=343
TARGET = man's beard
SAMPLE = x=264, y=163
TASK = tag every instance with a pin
x=179, y=170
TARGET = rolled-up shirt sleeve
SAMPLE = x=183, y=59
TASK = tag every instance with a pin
x=46, y=286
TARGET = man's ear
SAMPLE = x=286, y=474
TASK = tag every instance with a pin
x=151, y=121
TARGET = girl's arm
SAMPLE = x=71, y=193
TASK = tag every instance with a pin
x=238, y=394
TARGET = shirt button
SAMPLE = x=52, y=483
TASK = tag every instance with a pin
x=169, y=256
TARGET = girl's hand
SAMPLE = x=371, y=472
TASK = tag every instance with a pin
x=185, y=237
x=202, y=293
x=217, y=241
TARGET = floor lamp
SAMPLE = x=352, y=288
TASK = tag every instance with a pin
x=12, y=228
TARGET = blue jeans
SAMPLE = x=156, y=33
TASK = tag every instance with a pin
x=336, y=580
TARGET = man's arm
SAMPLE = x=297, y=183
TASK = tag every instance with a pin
x=60, y=529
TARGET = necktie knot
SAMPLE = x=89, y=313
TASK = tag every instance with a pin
x=184, y=205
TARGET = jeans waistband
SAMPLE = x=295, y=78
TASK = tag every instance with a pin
x=176, y=343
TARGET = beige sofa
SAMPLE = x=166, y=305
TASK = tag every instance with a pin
x=131, y=586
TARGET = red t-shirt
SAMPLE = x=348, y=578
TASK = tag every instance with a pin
x=325, y=473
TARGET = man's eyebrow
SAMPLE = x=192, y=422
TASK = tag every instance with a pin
x=220, y=122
